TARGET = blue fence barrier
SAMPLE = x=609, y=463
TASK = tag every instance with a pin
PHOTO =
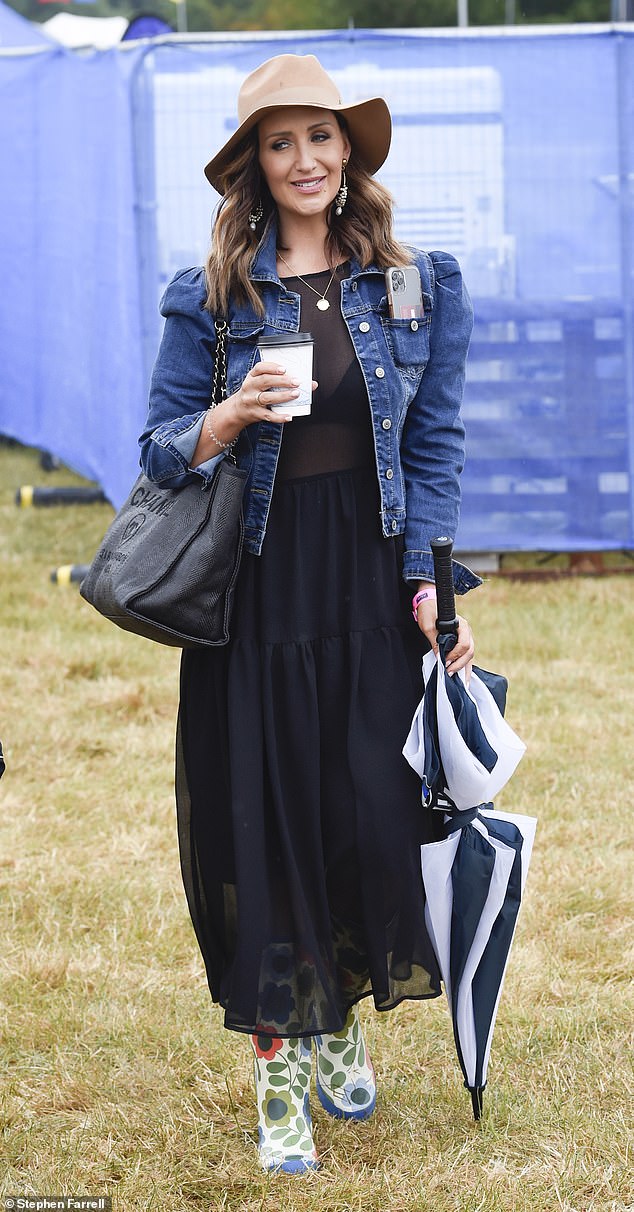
x=513, y=149
x=547, y=420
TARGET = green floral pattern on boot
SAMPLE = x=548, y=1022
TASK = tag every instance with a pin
x=346, y=1084
x=282, y=1080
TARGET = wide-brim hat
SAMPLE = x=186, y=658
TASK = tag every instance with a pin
x=301, y=80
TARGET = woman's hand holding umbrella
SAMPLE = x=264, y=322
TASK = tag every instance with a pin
x=461, y=655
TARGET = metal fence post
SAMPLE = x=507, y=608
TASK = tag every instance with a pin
x=142, y=109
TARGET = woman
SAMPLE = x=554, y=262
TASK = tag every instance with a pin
x=299, y=820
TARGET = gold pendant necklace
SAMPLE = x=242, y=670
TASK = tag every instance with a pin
x=322, y=302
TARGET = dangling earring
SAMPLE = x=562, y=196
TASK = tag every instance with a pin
x=341, y=196
x=256, y=215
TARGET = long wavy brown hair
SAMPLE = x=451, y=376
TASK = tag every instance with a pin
x=363, y=231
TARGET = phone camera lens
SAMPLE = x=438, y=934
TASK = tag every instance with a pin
x=398, y=280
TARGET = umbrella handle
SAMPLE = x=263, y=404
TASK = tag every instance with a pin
x=446, y=622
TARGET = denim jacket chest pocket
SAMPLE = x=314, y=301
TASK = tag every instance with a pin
x=408, y=344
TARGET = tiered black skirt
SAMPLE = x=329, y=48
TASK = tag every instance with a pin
x=300, y=821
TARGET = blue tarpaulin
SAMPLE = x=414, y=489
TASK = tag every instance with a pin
x=17, y=31
x=72, y=378
x=513, y=149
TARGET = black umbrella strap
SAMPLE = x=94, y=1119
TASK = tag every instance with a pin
x=458, y=820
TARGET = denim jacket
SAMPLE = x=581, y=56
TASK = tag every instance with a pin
x=414, y=375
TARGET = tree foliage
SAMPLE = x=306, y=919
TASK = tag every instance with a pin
x=217, y=15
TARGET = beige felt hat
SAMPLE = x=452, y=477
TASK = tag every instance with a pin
x=301, y=80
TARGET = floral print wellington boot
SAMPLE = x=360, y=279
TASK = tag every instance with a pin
x=345, y=1077
x=282, y=1079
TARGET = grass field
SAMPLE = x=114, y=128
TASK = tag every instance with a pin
x=118, y=1077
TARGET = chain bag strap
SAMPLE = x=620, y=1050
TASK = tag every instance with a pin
x=219, y=384
x=219, y=388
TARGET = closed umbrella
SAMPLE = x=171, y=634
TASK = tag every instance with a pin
x=465, y=752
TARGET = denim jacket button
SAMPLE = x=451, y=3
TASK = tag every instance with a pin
x=379, y=372
x=354, y=286
x=386, y=423
x=414, y=325
x=394, y=524
x=364, y=326
x=389, y=475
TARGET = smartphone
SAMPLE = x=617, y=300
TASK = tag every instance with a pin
x=404, y=296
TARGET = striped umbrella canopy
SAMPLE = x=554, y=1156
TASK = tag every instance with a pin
x=474, y=877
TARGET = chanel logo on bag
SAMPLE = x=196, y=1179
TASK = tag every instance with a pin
x=152, y=501
x=133, y=526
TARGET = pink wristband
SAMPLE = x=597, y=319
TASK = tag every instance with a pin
x=423, y=595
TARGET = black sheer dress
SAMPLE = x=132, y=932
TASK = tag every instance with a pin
x=299, y=819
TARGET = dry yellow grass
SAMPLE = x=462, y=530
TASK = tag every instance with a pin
x=117, y=1074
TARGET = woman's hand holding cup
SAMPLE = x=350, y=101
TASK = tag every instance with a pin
x=266, y=383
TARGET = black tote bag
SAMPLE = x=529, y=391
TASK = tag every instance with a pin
x=167, y=566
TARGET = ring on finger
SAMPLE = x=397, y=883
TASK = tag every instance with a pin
x=257, y=399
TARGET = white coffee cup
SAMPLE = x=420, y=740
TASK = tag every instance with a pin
x=293, y=351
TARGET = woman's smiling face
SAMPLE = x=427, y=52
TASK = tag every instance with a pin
x=300, y=151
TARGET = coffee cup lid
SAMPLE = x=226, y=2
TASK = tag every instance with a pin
x=285, y=338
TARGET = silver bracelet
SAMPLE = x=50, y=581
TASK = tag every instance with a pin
x=214, y=436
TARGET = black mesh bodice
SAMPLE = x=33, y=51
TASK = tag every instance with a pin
x=338, y=433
